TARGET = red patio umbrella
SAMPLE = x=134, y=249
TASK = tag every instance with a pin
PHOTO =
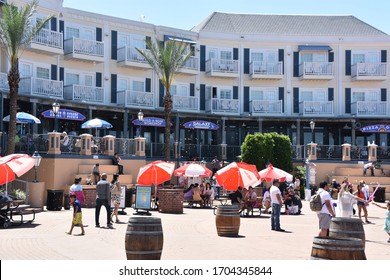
x=14, y=164
x=193, y=169
x=271, y=173
x=237, y=174
x=155, y=173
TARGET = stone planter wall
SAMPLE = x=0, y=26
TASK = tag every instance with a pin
x=171, y=201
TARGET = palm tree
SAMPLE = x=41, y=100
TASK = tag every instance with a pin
x=16, y=33
x=166, y=59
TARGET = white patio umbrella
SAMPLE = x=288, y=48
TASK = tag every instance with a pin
x=22, y=117
x=96, y=123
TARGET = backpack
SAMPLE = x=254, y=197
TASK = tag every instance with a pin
x=316, y=203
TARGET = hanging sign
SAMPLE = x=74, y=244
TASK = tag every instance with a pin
x=384, y=128
x=199, y=124
x=64, y=114
x=150, y=121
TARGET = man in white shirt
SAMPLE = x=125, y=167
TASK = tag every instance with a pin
x=327, y=212
x=276, y=204
x=370, y=166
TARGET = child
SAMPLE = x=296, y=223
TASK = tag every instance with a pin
x=77, y=216
x=386, y=226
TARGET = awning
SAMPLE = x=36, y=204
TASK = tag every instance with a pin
x=64, y=114
x=199, y=124
x=381, y=128
x=179, y=39
x=313, y=48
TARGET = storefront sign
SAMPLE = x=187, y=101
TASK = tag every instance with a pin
x=201, y=125
x=150, y=121
x=64, y=114
x=143, y=197
x=384, y=128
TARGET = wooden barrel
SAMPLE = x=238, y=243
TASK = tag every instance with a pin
x=144, y=238
x=347, y=227
x=337, y=248
x=227, y=220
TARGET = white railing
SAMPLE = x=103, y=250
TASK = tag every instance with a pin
x=191, y=63
x=185, y=103
x=135, y=98
x=4, y=82
x=41, y=87
x=316, y=107
x=369, y=69
x=83, y=46
x=369, y=108
x=223, y=105
x=316, y=69
x=84, y=93
x=265, y=106
x=222, y=65
x=266, y=68
x=49, y=38
x=129, y=53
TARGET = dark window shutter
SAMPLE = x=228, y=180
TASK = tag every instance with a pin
x=148, y=85
x=330, y=94
x=113, y=88
x=281, y=58
x=246, y=61
x=53, y=72
x=202, y=58
x=383, y=94
x=296, y=100
x=53, y=24
x=147, y=39
x=383, y=55
x=348, y=101
x=62, y=27
x=296, y=64
x=202, y=104
x=235, y=92
x=331, y=57
x=161, y=91
x=114, y=44
x=62, y=74
x=99, y=34
x=235, y=53
x=281, y=96
x=192, y=89
x=348, y=63
x=246, y=99
x=98, y=79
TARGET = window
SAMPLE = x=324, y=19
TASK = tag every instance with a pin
x=88, y=80
x=228, y=55
x=25, y=70
x=366, y=56
x=43, y=73
x=265, y=55
x=365, y=95
x=179, y=90
x=138, y=86
x=122, y=84
x=264, y=94
x=72, y=32
x=225, y=94
x=313, y=56
x=72, y=79
x=313, y=95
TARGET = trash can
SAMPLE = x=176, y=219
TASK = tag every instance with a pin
x=54, y=200
x=380, y=194
x=66, y=201
x=129, y=197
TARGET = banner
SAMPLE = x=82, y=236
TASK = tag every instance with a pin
x=150, y=121
x=64, y=114
x=384, y=128
x=143, y=198
x=199, y=124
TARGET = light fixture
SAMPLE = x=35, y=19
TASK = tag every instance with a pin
x=293, y=126
x=140, y=119
x=243, y=124
x=56, y=110
x=312, y=126
x=346, y=126
x=37, y=161
x=115, y=117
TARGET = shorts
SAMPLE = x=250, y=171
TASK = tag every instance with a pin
x=78, y=220
x=324, y=220
x=116, y=198
x=359, y=203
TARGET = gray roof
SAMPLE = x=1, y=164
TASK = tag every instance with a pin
x=266, y=24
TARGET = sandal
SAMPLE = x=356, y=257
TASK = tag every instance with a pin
x=68, y=233
x=117, y=221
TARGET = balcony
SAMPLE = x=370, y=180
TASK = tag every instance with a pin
x=268, y=107
x=369, y=71
x=191, y=66
x=137, y=99
x=316, y=108
x=266, y=70
x=227, y=106
x=84, y=93
x=224, y=68
x=129, y=57
x=84, y=50
x=47, y=41
x=41, y=87
x=4, y=82
x=316, y=71
x=369, y=108
x=185, y=103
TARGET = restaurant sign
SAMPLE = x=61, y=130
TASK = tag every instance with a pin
x=150, y=121
x=383, y=128
x=201, y=125
x=64, y=114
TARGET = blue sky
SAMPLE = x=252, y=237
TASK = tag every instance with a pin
x=186, y=14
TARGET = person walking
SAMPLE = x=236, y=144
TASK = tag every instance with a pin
x=96, y=173
x=102, y=198
x=77, y=190
x=116, y=192
x=215, y=164
x=116, y=161
x=327, y=212
x=77, y=215
x=362, y=202
x=276, y=204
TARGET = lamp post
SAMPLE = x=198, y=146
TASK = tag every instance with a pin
x=140, y=119
x=37, y=161
x=56, y=109
x=312, y=126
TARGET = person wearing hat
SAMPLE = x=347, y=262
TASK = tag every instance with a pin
x=77, y=190
x=334, y=188
x=103, y=191
x=276, y=204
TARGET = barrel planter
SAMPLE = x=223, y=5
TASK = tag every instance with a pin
x=337, y=248
x=227, y=220
x=170, y=201
x=144, y=238
x=347, y=227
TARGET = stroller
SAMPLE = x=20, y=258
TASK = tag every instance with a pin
x=5, y=204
